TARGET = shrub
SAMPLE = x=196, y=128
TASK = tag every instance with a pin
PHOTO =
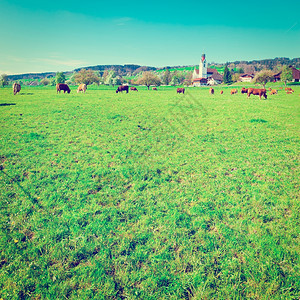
x=45, y=81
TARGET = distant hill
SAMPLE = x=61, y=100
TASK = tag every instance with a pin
x=121, y=70
x=271, y=63
x=31, y=76
x=132, y=69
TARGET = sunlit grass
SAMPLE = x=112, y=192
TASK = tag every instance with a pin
x=149, y=195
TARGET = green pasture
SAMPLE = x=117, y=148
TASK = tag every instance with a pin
x=149, y=195
x=177, y=69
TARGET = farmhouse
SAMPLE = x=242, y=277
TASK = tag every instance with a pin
x=246, y=77
x=204, y=75
x=296, y=75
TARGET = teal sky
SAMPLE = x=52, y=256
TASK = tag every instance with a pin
x=42, y=36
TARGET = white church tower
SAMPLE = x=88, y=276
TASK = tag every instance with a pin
x=203, y=67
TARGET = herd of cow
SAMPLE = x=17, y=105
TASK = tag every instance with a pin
x=252, y=91
x=82, y=88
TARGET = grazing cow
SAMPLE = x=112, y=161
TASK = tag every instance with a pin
x=244, y=91
x=289, y=91
x=180, y=90
x=259, y=92
x=273, y=92
x=270, y=89
x=233, y=91
x=133, y=88
x=211, y=91
x=221, y=92
x=154, y=89
x=16, y=88
x=122, y=88
x=62, y=87
x=82, y=88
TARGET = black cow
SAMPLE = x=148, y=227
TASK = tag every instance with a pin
x=62, y=87
x=122, y=88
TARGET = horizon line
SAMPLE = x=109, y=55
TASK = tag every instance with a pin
x=164, y=67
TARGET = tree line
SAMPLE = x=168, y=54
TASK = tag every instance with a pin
x=148, y=78
x=109, y=77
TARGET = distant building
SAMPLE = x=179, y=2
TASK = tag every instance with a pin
x=205, y=76
x=246, y=77
x=295, y=72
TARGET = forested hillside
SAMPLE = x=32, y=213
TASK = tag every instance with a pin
x=132, y=70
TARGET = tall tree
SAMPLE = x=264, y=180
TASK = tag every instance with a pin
x=149, y=79
x=117, y=80
x=105, y=74
x=53, y=81
x=188, y=78
x=167, y=77
x=87, y=77
x=240, y=71
x=60, y=77
x=263, y=77
x=177, y=78
x=110, y=78
x=286, y=74
x=235, y=77
x=227, y=76
x=3, y=80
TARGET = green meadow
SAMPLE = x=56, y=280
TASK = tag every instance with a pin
x=149, y=195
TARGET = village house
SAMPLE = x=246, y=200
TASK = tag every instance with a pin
x=295, y=72
x=246, y=77
x=205, y=76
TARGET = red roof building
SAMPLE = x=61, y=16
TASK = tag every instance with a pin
x=201, y=81
x=295, y=72
x=246, y=77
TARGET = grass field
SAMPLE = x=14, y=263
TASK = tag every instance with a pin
x=148, y=195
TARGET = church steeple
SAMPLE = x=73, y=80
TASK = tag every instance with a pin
x=203, y=67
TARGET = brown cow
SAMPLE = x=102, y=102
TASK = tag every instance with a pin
x=154, y=89
x=62, y=87
x=273, y=92
x=82, y=88
x=122, y=88
x=180, y=90
x=259, y=92
x=132, y=88
x=221, y=92
x=244, y=90
x=211, y=91
x=16, y=88
x=289, y=91
x=233, y=91
x=270, y=89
